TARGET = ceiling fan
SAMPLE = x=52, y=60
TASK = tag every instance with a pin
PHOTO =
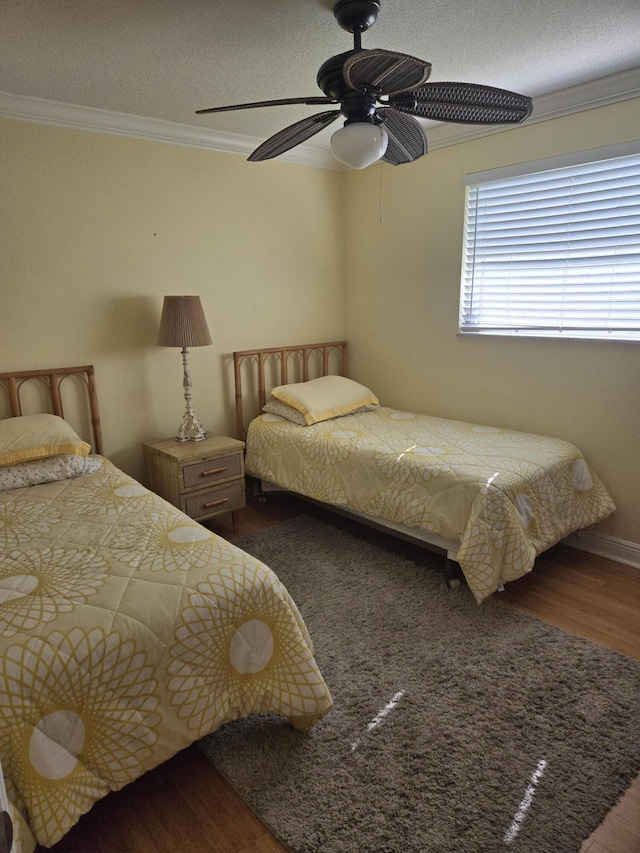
x=380, y=92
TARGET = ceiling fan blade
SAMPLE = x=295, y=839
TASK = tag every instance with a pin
x=293, y=135
x=281, y=102
x=383, y=72
x=465, y=103
x=407, y=141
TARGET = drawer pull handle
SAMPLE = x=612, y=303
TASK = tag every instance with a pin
x=212, y=471
x=216, y=503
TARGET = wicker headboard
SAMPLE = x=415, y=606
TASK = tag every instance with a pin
x=263, y=369
x=47, y=395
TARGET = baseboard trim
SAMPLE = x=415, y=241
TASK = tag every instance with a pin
x=620, y=550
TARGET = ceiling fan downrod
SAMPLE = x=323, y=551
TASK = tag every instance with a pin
x=356, y=16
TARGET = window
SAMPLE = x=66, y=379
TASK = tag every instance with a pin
x=552, y=248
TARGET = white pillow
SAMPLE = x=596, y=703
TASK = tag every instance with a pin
x=47, y=470
x=275, y=407
x=37, y=436
x=324, y=398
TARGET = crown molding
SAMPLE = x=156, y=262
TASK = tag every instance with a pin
x=585, y=96
x=77, y=117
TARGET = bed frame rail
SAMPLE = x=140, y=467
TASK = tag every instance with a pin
x=302, y=357
x=13, y=385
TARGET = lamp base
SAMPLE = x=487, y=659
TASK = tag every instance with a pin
x=191, y=429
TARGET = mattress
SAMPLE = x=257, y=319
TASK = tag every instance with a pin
x=127, y=632
x=504, y=495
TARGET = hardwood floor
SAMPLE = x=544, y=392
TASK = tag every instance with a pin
x=185, y=805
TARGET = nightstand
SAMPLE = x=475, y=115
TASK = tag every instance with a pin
x=202, y=478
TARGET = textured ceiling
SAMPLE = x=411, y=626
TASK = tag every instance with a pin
x=166, y=58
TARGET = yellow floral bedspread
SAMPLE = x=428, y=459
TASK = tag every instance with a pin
x=127, y=631
x=505, y=496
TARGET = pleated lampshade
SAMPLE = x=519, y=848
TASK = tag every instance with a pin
x=183, y=323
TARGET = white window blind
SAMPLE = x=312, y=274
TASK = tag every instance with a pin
x=554, y=252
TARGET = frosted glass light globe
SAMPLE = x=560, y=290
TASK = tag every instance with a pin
x=359, y=144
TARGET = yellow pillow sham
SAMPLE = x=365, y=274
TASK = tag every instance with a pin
x=37, y=437
x=324, y=398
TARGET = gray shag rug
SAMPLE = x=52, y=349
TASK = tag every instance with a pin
x=456, y=728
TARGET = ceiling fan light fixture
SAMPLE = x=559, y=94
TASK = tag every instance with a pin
x=359, y=144
x=382, y=94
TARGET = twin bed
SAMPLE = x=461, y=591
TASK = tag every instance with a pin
x=128, y=631
x=491, y=499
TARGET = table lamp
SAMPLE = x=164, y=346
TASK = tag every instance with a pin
x=184, y=325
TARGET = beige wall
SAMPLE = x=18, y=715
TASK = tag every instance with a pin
x=96, y=229
x=403, y=280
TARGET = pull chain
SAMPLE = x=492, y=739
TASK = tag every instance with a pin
x=381, y=195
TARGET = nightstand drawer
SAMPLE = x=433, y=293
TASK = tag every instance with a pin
x=224, y=498
x=220, y=468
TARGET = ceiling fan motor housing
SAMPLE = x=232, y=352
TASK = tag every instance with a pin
x=357, y=107
x=354, y=105
x=331, y=78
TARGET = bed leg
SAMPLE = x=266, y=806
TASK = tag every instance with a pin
x=451, y=574
x=254, y=488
